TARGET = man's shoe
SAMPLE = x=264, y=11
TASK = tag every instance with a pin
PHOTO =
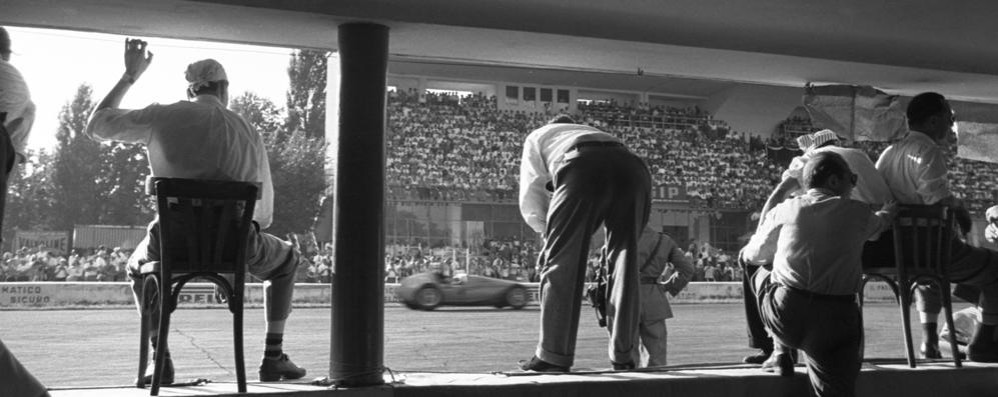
x=281, y=368
x=537, y=365
x=168, y=374
x=782, y=363
x=930, y=351
x=757, y=358
x=623, y=366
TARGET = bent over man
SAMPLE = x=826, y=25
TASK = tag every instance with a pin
x=574, y=178
x=202, y=139
x=809, y=301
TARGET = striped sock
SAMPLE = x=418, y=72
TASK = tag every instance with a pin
x=274, y=345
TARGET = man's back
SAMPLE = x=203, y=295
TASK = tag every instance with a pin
x=915, y=170
x=198, y=139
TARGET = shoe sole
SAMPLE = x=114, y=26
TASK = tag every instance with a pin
x=277, y=377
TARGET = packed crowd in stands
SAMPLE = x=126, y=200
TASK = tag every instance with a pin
x=507, y=258
x=447, y=148
x=42, y=264
x=444, y=147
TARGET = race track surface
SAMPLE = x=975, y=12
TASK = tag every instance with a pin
x=100, y=346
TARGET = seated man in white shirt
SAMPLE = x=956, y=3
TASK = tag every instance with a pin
x=202, y=139
x=916, y=172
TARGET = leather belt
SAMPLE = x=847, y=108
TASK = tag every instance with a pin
x=817, y=296
x=595, y=144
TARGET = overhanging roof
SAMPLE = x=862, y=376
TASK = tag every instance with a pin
x=902, y=47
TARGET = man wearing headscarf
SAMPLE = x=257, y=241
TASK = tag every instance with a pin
x=202, y=139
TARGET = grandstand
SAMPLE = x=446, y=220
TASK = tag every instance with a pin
x=453, y=161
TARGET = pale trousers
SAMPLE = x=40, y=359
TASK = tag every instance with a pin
x=654, y=351
x=267, y=257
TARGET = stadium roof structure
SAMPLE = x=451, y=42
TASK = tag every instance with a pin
x=679, y=47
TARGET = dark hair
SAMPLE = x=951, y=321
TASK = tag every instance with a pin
x=213, y=88
x=562, y=119
x=925, y=105
x=821, y=167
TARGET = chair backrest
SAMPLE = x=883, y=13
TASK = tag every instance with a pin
x=922, y=239
x=204, y=224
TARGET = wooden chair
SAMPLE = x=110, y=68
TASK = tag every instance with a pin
x=922, y=243
x=203, y=229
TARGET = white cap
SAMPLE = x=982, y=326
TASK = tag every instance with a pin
x=202, y=72
x=805, y=142
x=824, y=136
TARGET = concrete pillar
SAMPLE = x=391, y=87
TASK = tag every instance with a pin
x=358, y=313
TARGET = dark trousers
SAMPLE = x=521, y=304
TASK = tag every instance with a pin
x=757, y=335
x=597, y=186
x=828, y=329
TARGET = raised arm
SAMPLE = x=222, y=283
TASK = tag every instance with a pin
x=137, y=59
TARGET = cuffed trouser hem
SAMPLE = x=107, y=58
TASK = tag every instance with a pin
x=555, y=358
x=279, y=288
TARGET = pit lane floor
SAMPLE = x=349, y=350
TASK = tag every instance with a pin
x=99, y=347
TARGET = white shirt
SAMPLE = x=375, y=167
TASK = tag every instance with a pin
x=543, y=155
x=915, y=170
x=198, y=139
x=870, y=188
x=15, y=100
x=815, y=242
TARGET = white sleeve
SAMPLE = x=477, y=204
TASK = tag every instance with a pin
x=534, y=197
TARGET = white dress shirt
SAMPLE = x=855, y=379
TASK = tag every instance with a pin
x=915, y=170
x=815, y=242
x=15, y=100
x=543, y=155
x=198, y=139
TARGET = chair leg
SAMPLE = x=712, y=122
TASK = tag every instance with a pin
x=143, y=338
x=905, y=305
x=237, y=334
x=161, y=342
x=948, y=308
x=862, y=326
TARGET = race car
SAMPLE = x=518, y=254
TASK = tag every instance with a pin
x=426, y=291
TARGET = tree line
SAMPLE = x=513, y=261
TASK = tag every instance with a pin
x=85, y=182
